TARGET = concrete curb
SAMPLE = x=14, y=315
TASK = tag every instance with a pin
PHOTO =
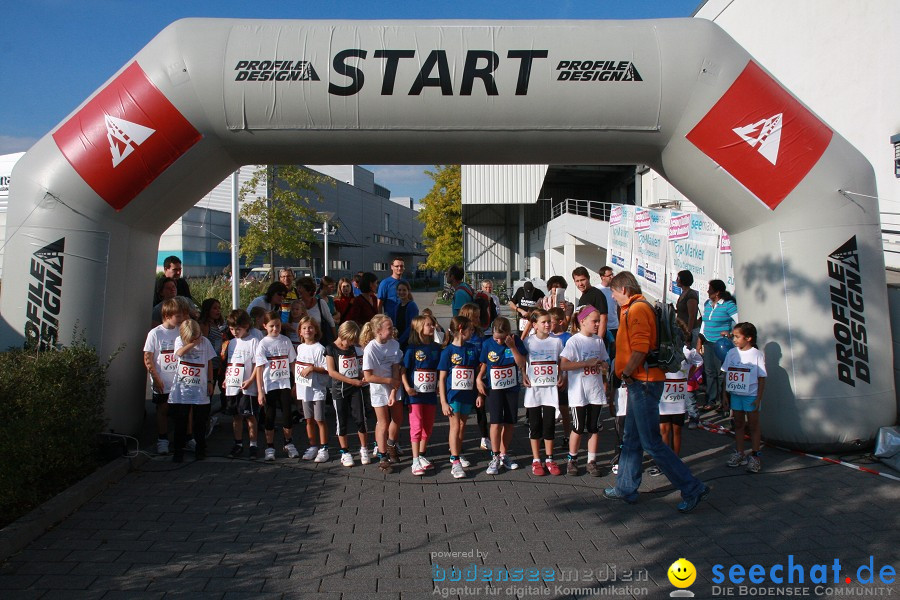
x=18, y=534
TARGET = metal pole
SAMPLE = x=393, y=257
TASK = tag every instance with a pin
x=235, y=241
x=325, y=246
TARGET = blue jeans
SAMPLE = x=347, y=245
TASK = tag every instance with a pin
x=642, y=434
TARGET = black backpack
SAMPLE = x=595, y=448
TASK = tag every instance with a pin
x=668, y=354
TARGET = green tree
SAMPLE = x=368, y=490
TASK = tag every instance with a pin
x=283, y=222
x=442, y=216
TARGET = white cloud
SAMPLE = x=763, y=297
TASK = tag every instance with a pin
x=10, y=144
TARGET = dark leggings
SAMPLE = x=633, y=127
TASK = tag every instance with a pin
x=278, y=399
x=180, y=414
x=541, y=422
x=481, y=413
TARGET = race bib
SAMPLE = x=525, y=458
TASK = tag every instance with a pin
x=234, y=375
x=675, y=390
x=594, y=371
x=348, y=366
x=737, y=381
x=462, y=378
x=543, y=373
x=167, y=361
x=425, y=381
x=299, y=379
x=278, y=368
x=504, y=377
x=189, y=374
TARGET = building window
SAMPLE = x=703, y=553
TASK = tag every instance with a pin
x=341, y=265
x=380, y=266
x=387, y=221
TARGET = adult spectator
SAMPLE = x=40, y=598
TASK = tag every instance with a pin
x=165, y=289
x=487, y=286
x=272, y=299
x=327, y=286
x=462, y=291
x=556, y=295
x=317, y=309
x=525, y=300
x=637, y=337
x=344, y=298
x=172, y=268
x=387, y=289
x=612, y=323
x=686, y=307
x=364, y=306
x=591, y=296
x=719, y=316
x=356, y=283
x=286, y=276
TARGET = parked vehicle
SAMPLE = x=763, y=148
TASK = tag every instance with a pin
x=264, y=274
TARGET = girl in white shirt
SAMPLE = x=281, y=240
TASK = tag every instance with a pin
x=274, y=355
x=381, y=368
x=192, y=387
x=543, y=380
x=310, y=380
x=745, y=380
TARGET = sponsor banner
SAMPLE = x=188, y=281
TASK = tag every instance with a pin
x=696, y=256
x=651, y=276
x=621, y=239
x=762, y=136
x=124, y=137
x=679, y=226
x=704, y=227
x=659, y=220
x=650, y=261
x=724, y=243
x=615, y=215
x=642, y=219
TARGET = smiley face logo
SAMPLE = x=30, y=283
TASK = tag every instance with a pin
x=682, y=573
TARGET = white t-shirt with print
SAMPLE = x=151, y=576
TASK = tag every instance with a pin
x=276, y=355
x=161, y=342
x=192, y=375
x=379, y=358
x=311, y=388
x=543, y=371
x=675, y=393
x=586, y=384
x=239, y=364
x=742, y=369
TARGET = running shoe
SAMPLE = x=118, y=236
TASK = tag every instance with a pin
x=486, y=444
x=417, y=469
x=236, y=451
x=462, y=460
x=508, y=463
x=552, y=467
x=162, y=447
x=393, y=453
x=457, y=470
x=654, y=471
x=310, y=453
x=322, y=455
x=594, y=469
x=738, y=459
x=385, y=465
x=494, y=466
x=270, y=454
x=191, y=445
x=754, y=465
x=291, y=450
x=346, y=459
x=686, y=506
x=572, y=466
x=426, y=464
x=537, y=469
x=252, y=453
x=364, y=456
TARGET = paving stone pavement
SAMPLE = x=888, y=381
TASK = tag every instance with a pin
x=223, y=528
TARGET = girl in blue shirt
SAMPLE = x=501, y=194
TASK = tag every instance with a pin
x=456, y=383
x=472, y=312
x=419, y=372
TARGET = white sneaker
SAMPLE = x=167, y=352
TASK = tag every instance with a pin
x=270, y=454
x=346, y=459
x=191, y=445
x=426, y=464
x=322, y=455
x=417, y=468
x=311, y=453
x=615, y=469
x=364, y=456
x=291, y=450
x=462, y=460
x=457, y=470
x=162, y=446
x=485, y=444
x=508, y=463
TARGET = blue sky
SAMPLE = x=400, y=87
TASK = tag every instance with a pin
x=55, y=53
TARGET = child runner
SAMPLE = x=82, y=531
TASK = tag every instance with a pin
x=503, y=361
x=420, y=363
x=381, y=367
x=559, y=323
x=439, y=332
x=456, y=384
x=472, y=312
x=192, y=387
x=745, y=381
x=585, y=358
x=160, y=362
x=241, y=396
x=310, y=381
x=297, y=312
x=407, y=310
x=274, y=355
x=543, y=382
x=347, y=385
x=213, y=325
x=676, y=397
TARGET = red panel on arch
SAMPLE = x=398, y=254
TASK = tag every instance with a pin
x=127, y=135
x=762, y=136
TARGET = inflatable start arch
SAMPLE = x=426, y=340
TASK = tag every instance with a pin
x=90, y=200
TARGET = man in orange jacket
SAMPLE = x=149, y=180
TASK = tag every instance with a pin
x=636, y=339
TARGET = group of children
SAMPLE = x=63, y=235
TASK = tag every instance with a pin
x=563, y=374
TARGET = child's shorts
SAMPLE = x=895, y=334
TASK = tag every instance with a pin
x=586, y=418
x=248, y=406
x=461, y=409
x=232, y=404
x=677, y=420
x=379, y=400
x=503, y=406
x=314, y=410
x=743, y=403
x=160, y=398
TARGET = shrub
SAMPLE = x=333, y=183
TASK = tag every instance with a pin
x=220, y=289
x=51, y=410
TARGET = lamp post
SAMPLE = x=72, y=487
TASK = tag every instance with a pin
x=325, y=217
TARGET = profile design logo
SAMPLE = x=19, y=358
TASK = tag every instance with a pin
x=682, y=575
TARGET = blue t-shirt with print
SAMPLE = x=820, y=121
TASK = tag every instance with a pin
x=494, y=354
x=563, y=337
x=422, y=358
x=455, y=356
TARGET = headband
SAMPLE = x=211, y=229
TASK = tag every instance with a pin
x=584, y=312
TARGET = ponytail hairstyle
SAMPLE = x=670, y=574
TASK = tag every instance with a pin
x=416, y=337
x=190, y=331
x=457, y=324
x=472, y=312
x=501, y=325
x=369, y=329
x=746, y=329
x=315, y=324
x=349, y=332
